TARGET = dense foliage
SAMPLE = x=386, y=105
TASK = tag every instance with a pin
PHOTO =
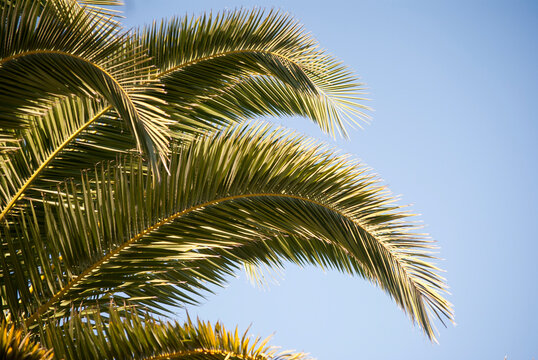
x=131, y=175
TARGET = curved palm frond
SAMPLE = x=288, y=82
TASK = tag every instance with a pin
x=80, y=231
x=229, y=192
x=238, y=100
x=254, y=96
x=66, y=50
x=130, y=336
x=204, y=57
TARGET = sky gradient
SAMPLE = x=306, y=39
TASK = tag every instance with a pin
x=454, y=86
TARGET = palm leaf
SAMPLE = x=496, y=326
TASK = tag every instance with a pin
x=205, y=56
x=74, y=135
x=226, y=195
x=66, y=50
x=240, y=99
x=255, y=96
x=122, y=336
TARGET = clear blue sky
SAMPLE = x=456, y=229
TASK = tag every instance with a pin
x=454, y=86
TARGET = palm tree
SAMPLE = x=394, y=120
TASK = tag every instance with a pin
x=132, y=180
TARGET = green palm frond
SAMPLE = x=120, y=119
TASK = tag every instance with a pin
x=66, y=50
x=250, y=97
x=244, y=194
x=102, y=10
x=129, y=336
x=203, y=57
x=126, y=178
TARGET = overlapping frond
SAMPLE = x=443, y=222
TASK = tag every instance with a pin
x=61, y=49
x=204, y=57
x=129, y=336
x=79, y=230
x=240, y=195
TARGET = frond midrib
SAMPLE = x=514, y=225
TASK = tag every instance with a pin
x=80, y=58
x=60, y=294
x=223, y=54
x=58, y=52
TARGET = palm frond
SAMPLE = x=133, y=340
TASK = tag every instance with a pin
x=129, y=336
x=102, y=8
x=229, y=196
x=249, y=98
x=66, y=50
x=203, y=56
x=74, y=135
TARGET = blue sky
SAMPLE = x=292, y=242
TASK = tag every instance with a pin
x=454, y=86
